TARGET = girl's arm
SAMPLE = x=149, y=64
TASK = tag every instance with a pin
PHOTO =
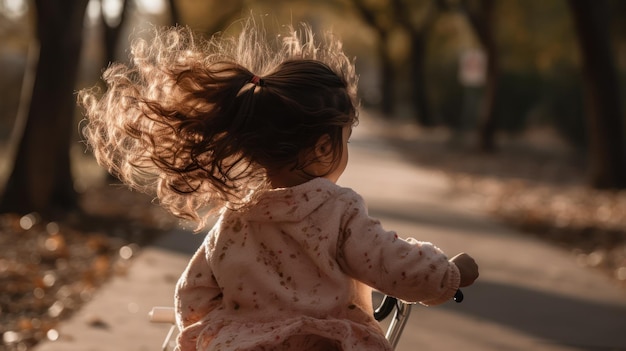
x=407, y=269
x=197, y=292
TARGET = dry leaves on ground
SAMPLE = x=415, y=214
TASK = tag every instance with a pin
x=534, y=183
x=49, y=269
x=591, y=223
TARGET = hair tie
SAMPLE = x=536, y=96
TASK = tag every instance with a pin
x=256, y=80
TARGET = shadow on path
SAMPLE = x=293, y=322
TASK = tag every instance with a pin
x=432, y=216
x=555, y=318
x=181, y=241
x=559, y=319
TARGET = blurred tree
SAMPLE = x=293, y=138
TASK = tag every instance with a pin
x=208, y=17
x=480, y=14
x=378, y=18
x=604, y=116
x=41, y=178
x=112, y=24
x=619, y=33
x=225, y=17
x=406, y=14
x=112, y=19
x=15, y=54
x=175, y=18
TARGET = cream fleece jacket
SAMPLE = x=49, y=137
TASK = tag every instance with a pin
x=296, y=271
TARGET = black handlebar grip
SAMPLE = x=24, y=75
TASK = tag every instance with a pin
x=384, y=309
x=458, y=296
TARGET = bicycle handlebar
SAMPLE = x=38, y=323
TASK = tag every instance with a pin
x=389, y=303
x=384, y=309
x=162, y=315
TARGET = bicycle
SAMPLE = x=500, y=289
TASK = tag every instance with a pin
x=389, y=304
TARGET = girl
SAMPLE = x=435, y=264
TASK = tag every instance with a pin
x=257, y=133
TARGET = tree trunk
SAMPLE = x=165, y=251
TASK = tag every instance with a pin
x=482, y=20
x=607, y=154
x=418, y=80
x=175, y=18
x=387, y=77
x=487, y=113
x=41, y=177
x=418, y=34
x=387, y=81
x=111, y=33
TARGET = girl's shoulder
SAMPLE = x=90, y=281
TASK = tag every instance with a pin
x=327, y=190
x=294, y=203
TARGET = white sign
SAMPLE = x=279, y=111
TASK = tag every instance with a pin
x=473, y=68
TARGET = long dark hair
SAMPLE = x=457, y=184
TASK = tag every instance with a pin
x=203, y=122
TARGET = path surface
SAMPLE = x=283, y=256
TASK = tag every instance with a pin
x=530, y=295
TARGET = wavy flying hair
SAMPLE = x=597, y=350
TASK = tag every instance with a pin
x=188, y=119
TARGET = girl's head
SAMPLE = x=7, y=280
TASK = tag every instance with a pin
x=284, y=119
x=209, y=123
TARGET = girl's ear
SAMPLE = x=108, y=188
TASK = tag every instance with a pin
x=324, y=149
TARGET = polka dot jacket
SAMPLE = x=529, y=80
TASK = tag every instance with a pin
x=296, y=272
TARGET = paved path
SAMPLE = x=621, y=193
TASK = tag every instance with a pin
x=530, y=295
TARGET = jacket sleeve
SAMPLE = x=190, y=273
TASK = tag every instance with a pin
x=408, y=269
x=197, y=293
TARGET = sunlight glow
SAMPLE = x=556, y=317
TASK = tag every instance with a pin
x=13, y=9
x=152, y=7
x=93, y=11
x=112, y=9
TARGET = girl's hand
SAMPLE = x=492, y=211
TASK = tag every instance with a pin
x=467, y=267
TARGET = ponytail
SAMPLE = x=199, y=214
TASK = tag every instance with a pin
x=200, y=123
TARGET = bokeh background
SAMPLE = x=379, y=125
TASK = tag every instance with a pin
x=522, y=102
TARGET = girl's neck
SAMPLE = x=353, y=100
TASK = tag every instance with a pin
x=287, y=179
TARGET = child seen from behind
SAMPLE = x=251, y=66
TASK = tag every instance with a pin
x=256, y=132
